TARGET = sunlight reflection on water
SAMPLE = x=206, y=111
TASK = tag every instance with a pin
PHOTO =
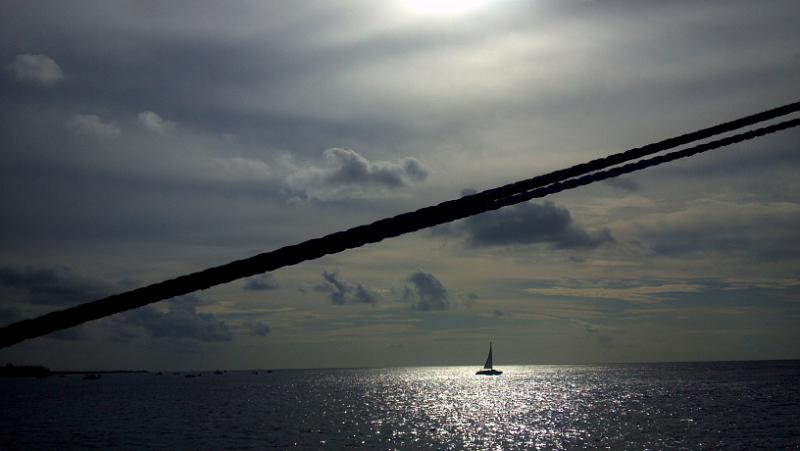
x=456, y=409
x=736, y=404
x=556, y=407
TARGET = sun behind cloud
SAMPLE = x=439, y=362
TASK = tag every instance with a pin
x=444, y=7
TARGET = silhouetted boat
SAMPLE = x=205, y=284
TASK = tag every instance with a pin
x=487, y=367
x=91, y=377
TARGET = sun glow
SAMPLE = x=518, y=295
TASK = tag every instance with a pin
x=444, y=7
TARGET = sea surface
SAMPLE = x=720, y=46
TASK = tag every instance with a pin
x=737, y=405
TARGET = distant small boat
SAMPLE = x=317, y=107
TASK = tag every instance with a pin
x=91, y=377
x=487, y=367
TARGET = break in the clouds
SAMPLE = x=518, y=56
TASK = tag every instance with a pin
x=56, y=286
x=35, y=69
x=92, y=125
x=425, y=292
x=261, y=282
x=342, y=292
x=649, y=294
x=180, y=320
x=527, y=224
x=155, y=123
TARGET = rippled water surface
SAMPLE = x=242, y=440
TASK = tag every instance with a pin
x=708, y=405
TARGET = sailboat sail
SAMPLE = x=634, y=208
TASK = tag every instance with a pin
x=487, y=367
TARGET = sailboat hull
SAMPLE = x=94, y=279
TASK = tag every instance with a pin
x=491, y=372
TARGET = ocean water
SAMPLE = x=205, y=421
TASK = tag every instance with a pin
x=739, y=405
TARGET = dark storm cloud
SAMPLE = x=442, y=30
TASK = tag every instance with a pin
x=425, y=292
x=49, y=286
x=526, y=224
x=181, y=320
x=341, y=292
x=262, y=282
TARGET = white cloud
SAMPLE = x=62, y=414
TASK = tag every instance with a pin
x=92, y=125
x=36, y=69
x=153, y=122
x=349, y=167
x=350, y=174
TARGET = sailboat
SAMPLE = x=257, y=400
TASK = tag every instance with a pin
x=487, y=367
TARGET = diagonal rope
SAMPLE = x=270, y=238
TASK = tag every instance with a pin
x=633, y=154
x=643, y=164
x=390, y=227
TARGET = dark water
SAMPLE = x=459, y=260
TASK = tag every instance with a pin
x=740, y=405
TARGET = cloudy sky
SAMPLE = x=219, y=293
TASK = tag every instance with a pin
x=144, y=140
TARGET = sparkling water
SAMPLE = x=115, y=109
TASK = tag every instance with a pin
x=741, y=405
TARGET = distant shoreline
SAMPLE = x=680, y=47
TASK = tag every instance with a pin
x=10, y=370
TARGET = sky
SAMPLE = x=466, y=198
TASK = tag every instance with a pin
x=144, y=140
